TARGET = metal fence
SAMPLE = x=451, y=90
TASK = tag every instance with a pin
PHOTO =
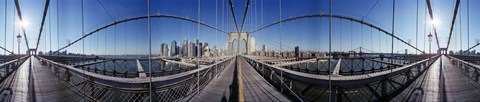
x=377, y=86
x=98, y=87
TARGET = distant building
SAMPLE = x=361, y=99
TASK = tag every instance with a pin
x=163, y=49
x=297, y=51
x=263, y=48
x=173, y=49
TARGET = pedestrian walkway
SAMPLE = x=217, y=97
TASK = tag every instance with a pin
x=245, y=85
x=35, y=82
x=443, y=81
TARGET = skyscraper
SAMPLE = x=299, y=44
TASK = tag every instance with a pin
x=173, y=48
x=297, y=51
x=263, y=48
x=162, y=49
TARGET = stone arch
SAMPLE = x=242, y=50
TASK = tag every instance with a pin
x=239, y=37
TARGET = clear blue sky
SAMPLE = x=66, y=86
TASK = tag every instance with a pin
x=310, y=34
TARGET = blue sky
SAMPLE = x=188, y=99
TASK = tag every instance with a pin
x=310, y=34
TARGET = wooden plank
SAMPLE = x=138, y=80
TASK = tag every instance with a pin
x=141, y=72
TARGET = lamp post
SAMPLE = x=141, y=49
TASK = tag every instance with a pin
x=430, y=43
x=19, y=39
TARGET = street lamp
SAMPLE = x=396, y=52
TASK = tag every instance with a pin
x=430, y=43
x=19, y=39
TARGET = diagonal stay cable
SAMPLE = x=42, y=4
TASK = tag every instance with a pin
x=430, y=11
x=233, y=14
x=7, y=50
x=45, y=11
x=110, y=15
x=453, y=22
x=371, y=9
x=339, y=17
x=472, y=47
x=136, y=18
x=19, y=12
x=245, y=15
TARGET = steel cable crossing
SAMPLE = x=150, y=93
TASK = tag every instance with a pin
x=453, y=22
x=339, y=17
x=19, y=12
x=430, y=11
x=136, y=18
x=45, y=11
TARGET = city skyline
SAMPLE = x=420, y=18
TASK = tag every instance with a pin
x=310, y=34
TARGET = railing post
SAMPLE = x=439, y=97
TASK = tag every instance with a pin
x=476, y=74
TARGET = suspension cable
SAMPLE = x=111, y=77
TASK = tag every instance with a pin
x=58, y=28
x=110, y=15
x=245, y=15
x=393, y=31
x=149, y=53
x=424, y=28
x=233, y=14
x=371, y=9
x=5, y=29
x=14, y=28
x=468, y=25
x=416, y=29
x=45, y=11
x=430, y=11
x=19, y=13
x=330, y=52
x=453, y=21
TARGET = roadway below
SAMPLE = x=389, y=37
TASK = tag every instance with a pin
x=443, y=81
x=34, y=82
x=239, y=82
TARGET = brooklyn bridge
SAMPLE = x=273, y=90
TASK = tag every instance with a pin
x=239, y=50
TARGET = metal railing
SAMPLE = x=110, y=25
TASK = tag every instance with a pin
x=125, y=67
x=10, y=67
x=167, y=88
x=348, y=66
x=377, y=86
x=472, y=70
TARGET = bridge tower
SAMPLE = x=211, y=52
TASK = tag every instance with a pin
x=239, y=37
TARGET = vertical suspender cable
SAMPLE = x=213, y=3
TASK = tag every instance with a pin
x=50, y=28
x=341, y=33
x=393, y=31
x=149, y=52
x=14, y=26
x=197, y=51
x=83, y=33
x=281, y=51
x=329, y=52
x=468, y=25
x=216, y=22
x=5, y=29
x=126, y=38
x=416, y=30
x=280, y=6
x=115, y=39
x=460, y=9
x=425, y=28
x=58, y=28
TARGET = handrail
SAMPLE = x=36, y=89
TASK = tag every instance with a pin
x=350, y=80
x=464, y=62
x=12, y=61
x=129, y=83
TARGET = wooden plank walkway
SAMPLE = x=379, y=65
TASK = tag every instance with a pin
x=443, y=81
x=239, y=82
x=34, y=82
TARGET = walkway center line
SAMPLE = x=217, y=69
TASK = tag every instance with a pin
x=241, y=98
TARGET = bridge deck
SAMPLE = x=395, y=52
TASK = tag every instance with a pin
x=244, y=83
x=442, y=82
x=39, y=85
